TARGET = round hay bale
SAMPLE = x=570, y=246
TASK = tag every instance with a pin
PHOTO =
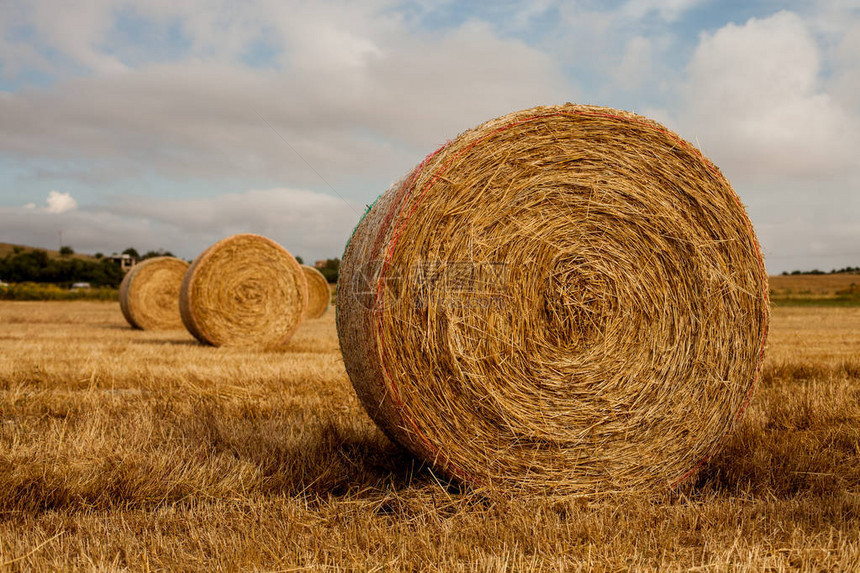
x=565, y=300
x=245, y=290
x=149, y=294
x=319, y=294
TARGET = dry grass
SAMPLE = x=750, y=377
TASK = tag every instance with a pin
x=140, y=450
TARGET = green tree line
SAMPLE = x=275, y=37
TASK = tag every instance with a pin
x=37, y=267
x=330, y=269
x=820, y=272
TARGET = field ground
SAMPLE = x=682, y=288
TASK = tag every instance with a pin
x=122, y=449
x=812, y=284
x=838, y=289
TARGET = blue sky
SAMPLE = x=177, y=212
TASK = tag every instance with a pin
x=147, y=124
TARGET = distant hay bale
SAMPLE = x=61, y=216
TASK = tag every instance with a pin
x=565, y=300
x=245, y=290
x=319, y=294
x=149, y=294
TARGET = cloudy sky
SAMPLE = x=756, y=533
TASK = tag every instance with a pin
x=166, y=124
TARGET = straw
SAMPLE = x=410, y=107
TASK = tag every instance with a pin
x=149, y=294
x=565, y=299
x=245, y=290
x=319, y=294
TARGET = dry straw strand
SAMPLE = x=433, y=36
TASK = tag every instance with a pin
x=565, y=300
x=245, y=290
x=149, y=294
x=319, y=295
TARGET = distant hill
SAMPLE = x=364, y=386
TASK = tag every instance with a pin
x=25, y=264
x=9, y=248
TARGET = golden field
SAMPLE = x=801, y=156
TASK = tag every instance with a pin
x=837, y=289
x=812, y=284
x=130, y=450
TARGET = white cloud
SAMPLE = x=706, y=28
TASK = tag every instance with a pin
x=74, y=30
x=808, y=224
x=626, y=56
x=845, y=80
x=295, y=216
x=60, y=202
x=764, y=107
x=306, y=223
x=355, y=99
x=755, y=102
x=362, y=91
x=635, y=66
x=357, y=90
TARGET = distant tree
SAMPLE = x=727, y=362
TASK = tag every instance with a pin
x=17, y=250
x=99, y=255
x=66, y=251
x=132, y=252
x=40, y=257
x=36, y=266
x=158, y=253
x=846, y=270
x=300, y=260
x=820, y=272
x=330, y=270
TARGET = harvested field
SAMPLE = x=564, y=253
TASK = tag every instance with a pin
x=838, y=289
x=146, y=450
x=812, y=284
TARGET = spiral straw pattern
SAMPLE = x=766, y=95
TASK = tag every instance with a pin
x=245, y=290
x=149, y=294
x=565, y=299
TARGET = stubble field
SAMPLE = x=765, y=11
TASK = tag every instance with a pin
x=122, y=449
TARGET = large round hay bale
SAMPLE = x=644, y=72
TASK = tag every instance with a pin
x=149, y=294
x=319, y=295
x=245, y=290
x=562, y=300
